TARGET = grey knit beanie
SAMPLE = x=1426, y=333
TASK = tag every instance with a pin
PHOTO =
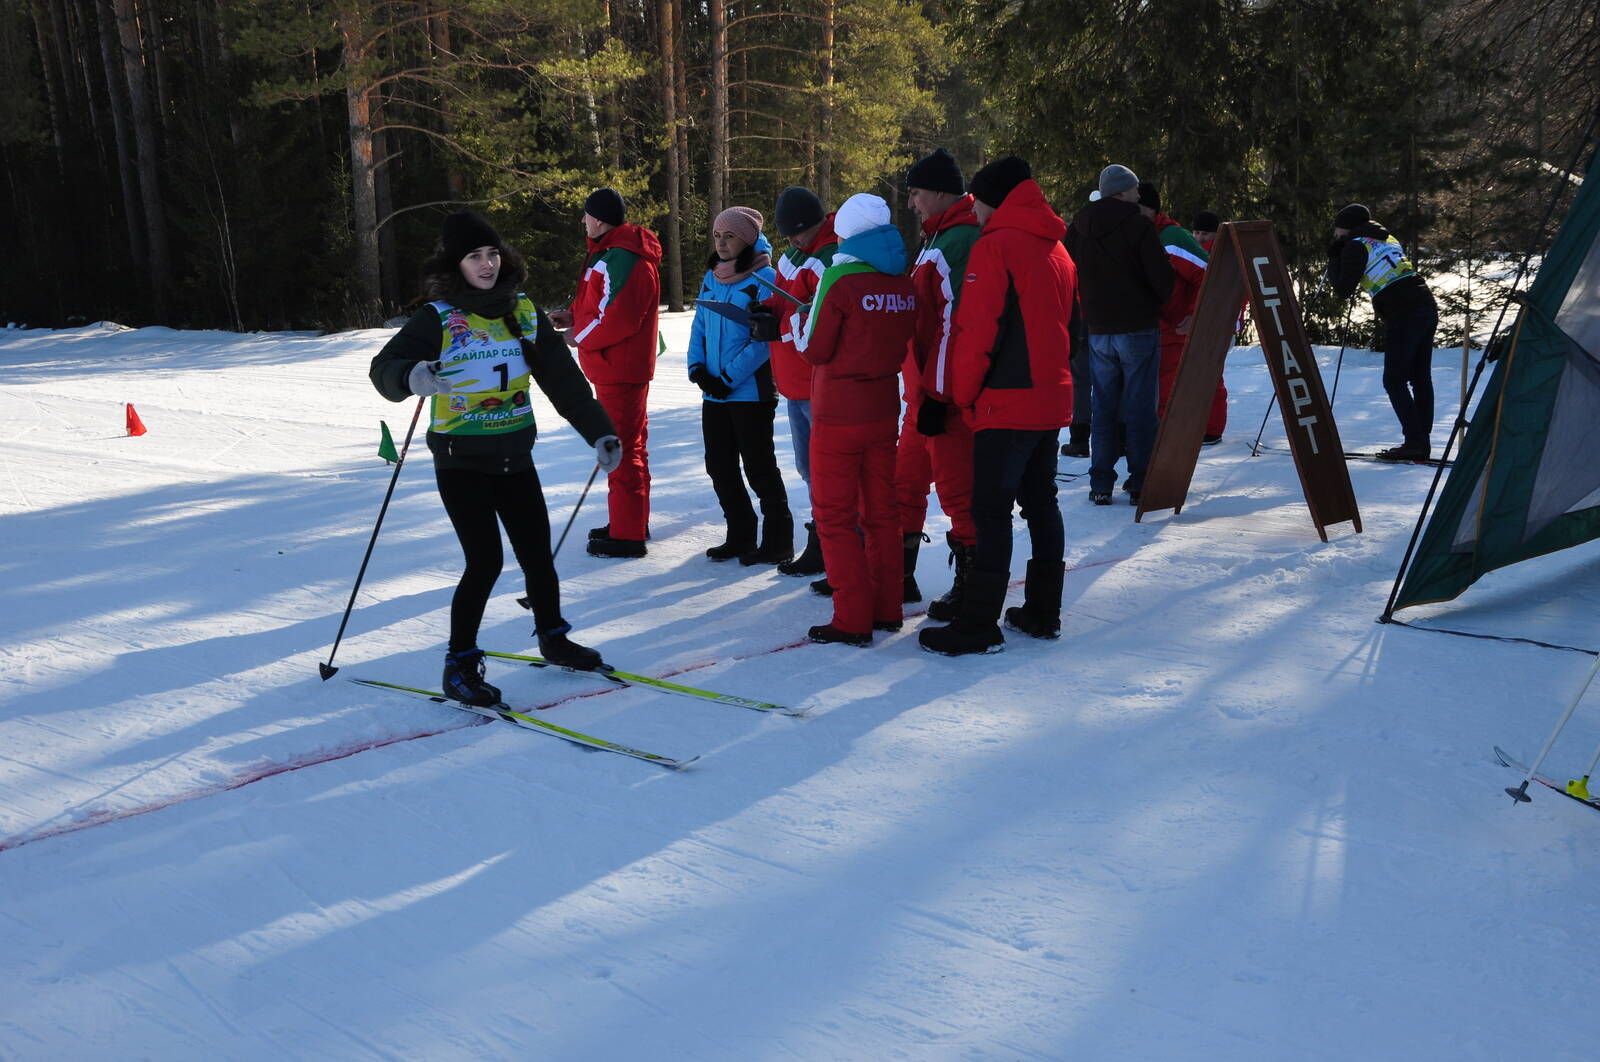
x=1115, y=179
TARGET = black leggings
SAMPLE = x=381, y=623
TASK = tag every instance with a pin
x=474, y=500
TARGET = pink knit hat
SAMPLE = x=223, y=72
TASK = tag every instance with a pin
x=743, y=222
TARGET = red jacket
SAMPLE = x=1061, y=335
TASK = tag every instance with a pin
x=857, y=342
x=615, y=311
x=1010, y=363
x=1189, y=272
x=941, y=264
x=799, y=273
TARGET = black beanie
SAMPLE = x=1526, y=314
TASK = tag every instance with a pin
x=994, y=182
x=798, y=210
x=939, y=172
x=464, y=232
x=1351, y=216
x=605, y=204
x=1149, y=196
x=1206, y=221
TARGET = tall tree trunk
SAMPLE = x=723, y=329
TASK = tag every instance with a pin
x=144, y=133
x=680, y=48
x=117, y=102
x=439, y=39
x=364, y=197
x=611, y=15
x=717, y=190
x=52, y=88
x=825, y=156
x=669, y=111
x=388, y=259
x=155, y=46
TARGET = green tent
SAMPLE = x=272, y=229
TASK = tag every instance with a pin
x=1527, y=481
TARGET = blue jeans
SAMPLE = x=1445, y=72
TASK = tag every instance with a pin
x=800, y=432
x=1125, y=368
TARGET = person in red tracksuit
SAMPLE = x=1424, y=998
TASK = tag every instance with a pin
x=1188, y=261
x=863, y=317
x=1012, y=377
x=935, y=442
x=612, y=322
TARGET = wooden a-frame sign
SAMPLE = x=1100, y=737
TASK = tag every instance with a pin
x=1247, y=258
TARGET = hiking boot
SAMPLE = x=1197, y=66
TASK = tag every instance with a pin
x=909, y=591
x=946, y=608
x=810, y=560
x=1075, y=449
x=1100, y=497
x=603, y=531
x=1040, y=613
x=558, y=649
x=463, y=679
x=734, y=544
x=828, y=634
x=977, y=629
x=822, y=588
x=606, y=546
x=777, y=542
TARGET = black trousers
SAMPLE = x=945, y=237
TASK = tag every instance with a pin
x=740, y=433
x=1082, y=380
x=1408, y=370
x=478, y=503
x=1015, y=466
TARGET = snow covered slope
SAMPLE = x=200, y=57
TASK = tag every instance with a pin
x=1226, y=816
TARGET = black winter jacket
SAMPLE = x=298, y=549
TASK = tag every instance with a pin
x=1347, y=261
x=1123, y=274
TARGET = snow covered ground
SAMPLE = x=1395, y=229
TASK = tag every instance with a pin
x=1226, y=816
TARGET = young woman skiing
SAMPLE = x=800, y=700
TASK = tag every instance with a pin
x=474, y=349
x=733, y=372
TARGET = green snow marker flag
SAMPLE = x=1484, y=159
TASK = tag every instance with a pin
x=661, y=343
x=386, y=445
x=1526, y=482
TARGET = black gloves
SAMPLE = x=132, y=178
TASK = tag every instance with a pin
x=711, y=386
x=763, y=325
x=930, y=416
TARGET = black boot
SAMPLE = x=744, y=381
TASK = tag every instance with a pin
x=777, y=542
x=606, y=546
x=911, y=544
x=737, y=542
x=828, y=634
x=556, y=647
x=946, y=608
x=1077, y=444
x=977, y=629
x=1040, y=613
x=603, y=531
x=810, y=560
x=821, y=587
x=463, y=679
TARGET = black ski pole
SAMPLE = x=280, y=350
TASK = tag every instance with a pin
x=327, y=669
x=560, y=542
x=1256, y=448
x=1344, y=337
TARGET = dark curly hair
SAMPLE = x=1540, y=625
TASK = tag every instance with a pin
x=442, y=279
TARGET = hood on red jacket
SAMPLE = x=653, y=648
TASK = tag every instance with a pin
x=957, y=213
x=636, y=238
x=1025, y=208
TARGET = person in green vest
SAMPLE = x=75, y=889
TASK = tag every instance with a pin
x=1365, y=255
x=475, y=351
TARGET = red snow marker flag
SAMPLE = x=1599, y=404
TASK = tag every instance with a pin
x=135, y=425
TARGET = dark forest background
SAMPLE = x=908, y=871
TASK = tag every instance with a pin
x=268, y=164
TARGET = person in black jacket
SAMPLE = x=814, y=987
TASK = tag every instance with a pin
x=1363, y=254
x=475, y=349
x=1124, y=279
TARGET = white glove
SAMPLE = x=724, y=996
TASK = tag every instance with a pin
x=424, y=379
x=608, y=453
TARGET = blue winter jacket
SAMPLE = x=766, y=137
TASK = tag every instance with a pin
x=725, y=348
x=882, y=248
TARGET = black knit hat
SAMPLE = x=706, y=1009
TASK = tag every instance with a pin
x=939, y=172
x=464, y=232
x=1206, y=221
x=994, y=182
x=1351, y=216
x=798, y=210
x=605, y=204
x=1149, y=196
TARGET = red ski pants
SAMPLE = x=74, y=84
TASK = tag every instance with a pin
x=629, y=485
x=852, y=486
x=1171, y=356
x=943, y=461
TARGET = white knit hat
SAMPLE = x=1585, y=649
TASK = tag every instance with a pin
x=861, y=212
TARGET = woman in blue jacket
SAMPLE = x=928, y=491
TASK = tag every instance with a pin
x=736, y=417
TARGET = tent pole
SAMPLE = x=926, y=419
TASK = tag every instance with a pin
x=1505, y=304
x=1520, y=793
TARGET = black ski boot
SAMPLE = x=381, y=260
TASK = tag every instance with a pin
x=1040, y=613
x=777, y=542
x=946, y=608
x=463, y=679
x=911, y=544
x=810, y=560
x=977, y=629
x=556, y=647
x=736, y=543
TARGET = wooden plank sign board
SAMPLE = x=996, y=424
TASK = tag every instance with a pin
x=1246, y=260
